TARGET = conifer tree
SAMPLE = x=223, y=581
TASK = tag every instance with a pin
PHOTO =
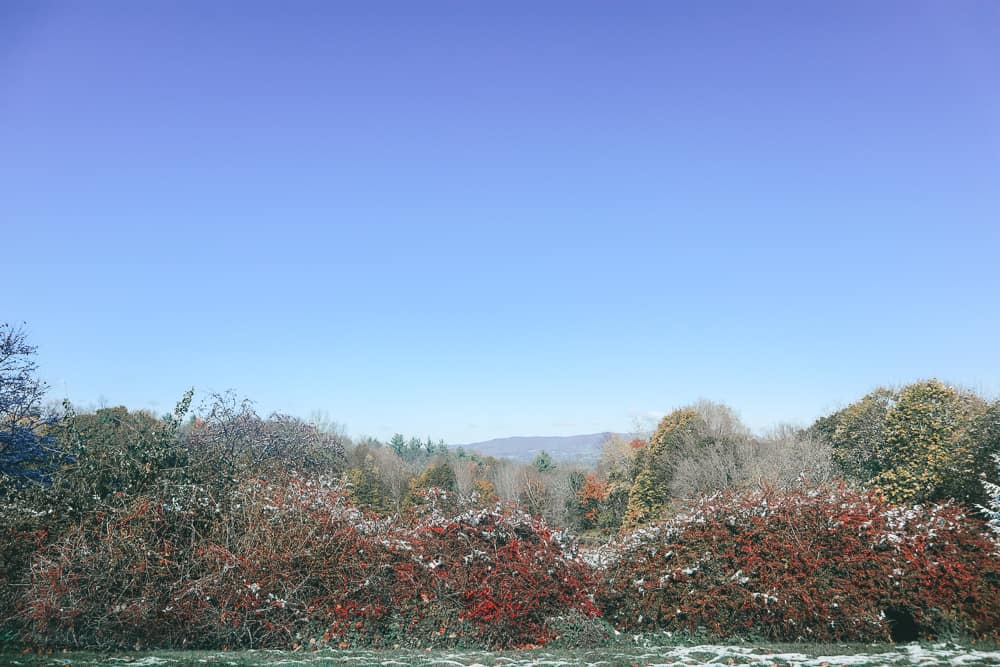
x=650, y=491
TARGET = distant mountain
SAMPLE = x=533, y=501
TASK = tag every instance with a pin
x=585, y=449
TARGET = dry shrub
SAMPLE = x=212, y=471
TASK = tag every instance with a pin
x=828, y=564
x=285, y=562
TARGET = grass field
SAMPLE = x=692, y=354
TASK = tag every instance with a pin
x=639, y=654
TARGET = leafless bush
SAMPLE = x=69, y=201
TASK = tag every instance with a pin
x=230, y=440
x=720, y=453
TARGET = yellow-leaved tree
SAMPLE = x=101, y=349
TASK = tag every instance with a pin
x=650, y=491
x=924, y=442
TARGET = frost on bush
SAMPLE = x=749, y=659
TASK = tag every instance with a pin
x=822, y=565
x=284, y=561
x=992, y=508
x=279, y=565
x=499, y=574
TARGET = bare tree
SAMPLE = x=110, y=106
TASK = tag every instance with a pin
x=507, y=479
x=395, y=474
x=720, y=452
x=465, y=477
x=789, y=455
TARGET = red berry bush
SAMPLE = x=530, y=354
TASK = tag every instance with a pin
x=499, y=575
x=825, y=565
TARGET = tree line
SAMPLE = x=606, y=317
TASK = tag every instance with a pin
x=923, y=442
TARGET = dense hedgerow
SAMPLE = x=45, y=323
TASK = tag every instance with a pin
x=825, y=565
x=295, y=564
x=498, y=574
x=282, y=562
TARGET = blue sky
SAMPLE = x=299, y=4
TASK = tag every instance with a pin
x=472, y=220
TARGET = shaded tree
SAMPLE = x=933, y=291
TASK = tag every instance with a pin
x=858, y=434
x=114, y=450
x=364, y=486
x=26, y=446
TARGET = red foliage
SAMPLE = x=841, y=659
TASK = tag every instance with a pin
x=501, y=573
x=589, y=501
x=267, y=566
x=278, y=565
x=822, y=565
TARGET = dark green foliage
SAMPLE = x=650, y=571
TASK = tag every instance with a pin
x=543, y=462
x=364, y=486
x=438, y=475
x=858, y=434
x=415, y=449
x=117, y=451
x=579, y=631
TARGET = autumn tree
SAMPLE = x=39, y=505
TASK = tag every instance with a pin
x=435, y=479
x=931, y=452
x=618, y=466
x=587, y=502
x=650, y=492
x=924, y=442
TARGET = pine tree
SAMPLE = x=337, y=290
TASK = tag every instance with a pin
x=543, y=462
x=365, y=487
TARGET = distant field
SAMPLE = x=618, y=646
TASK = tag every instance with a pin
x=619, y=656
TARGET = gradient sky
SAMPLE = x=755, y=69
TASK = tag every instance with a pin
x=470, y=220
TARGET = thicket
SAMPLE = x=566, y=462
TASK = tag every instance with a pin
x=295, y=563
x=826, y=564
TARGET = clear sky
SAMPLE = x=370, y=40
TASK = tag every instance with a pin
x=469, y=220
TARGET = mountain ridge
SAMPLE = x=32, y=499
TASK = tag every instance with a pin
x=584, y=448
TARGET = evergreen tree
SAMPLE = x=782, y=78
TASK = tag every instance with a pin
x=398, y=445
x=650, y=491
x=365, y=487
x=543, y=462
